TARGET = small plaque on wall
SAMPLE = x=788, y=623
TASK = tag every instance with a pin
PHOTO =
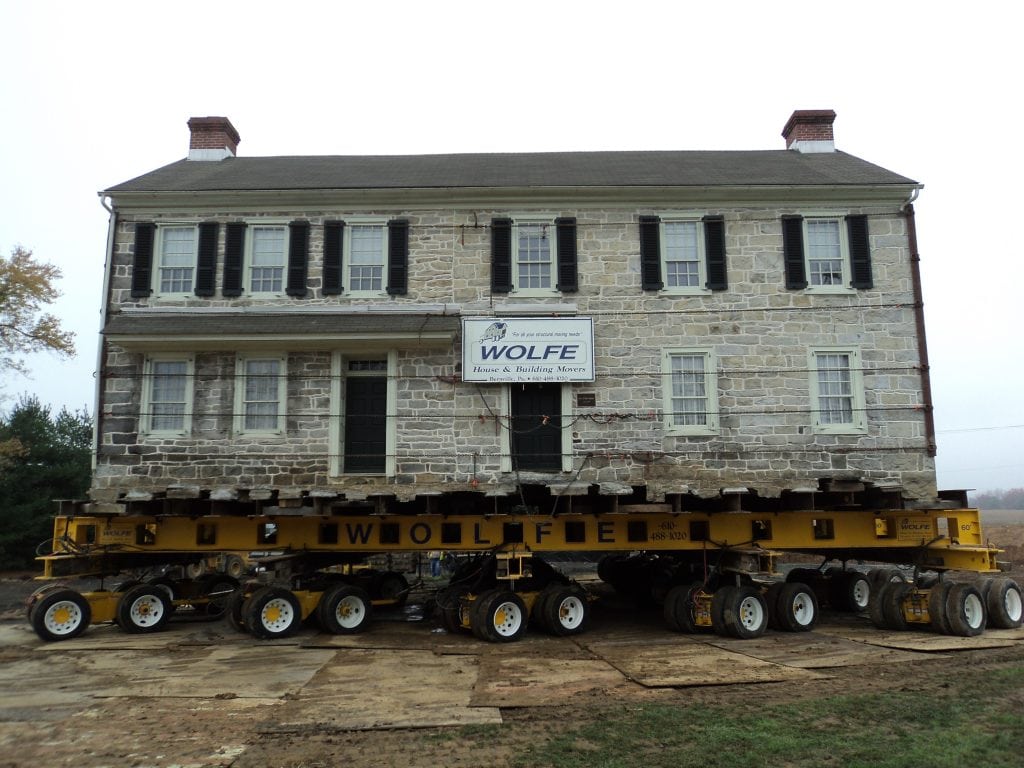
x=586, y=399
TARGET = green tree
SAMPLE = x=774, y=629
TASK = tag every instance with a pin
x=47, y=458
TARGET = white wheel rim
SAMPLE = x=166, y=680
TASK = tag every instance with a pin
x=861, y=593
x=802, y=609
x=570, y=612
x=507, y=619
x=63, y=617
x=146, y=610
x=751, y=613
x=1012, y=604
x=973, y=611
x=277, y=614
x=349, y=613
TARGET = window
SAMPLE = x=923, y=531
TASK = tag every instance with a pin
x=176, y=260
x=683, y=253
x=534, y=256
x=837, y=391
x=269, y=256
x=259, y=395
x=167, y=396
x=690, y=392
x=826, y=254
x=367, y=243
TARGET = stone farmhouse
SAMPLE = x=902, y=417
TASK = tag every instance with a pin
x=477, y=333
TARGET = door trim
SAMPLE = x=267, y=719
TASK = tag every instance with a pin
x=336, y=435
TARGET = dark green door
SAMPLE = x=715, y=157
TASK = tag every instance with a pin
x=537, y=426
x=366, y=400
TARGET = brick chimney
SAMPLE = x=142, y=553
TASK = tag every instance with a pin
x=213, y=138
x=810, y=130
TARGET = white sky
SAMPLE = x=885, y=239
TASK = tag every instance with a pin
x=97, y=93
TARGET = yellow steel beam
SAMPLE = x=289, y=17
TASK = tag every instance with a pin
x=944, y=539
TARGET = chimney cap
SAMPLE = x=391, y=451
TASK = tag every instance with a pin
x=810, y=130
x=212, y=138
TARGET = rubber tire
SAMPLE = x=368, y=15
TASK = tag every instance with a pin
x=236, y=609
x=892, y=605
x=143, y=609
x=220, y=585
x=495, y=604
x=450, y=607
x=851, y=591
x=795, y=608
x=169, y=585
x=880, y=576
x=771, y=597
x=234, y=566
x=391, y=585
x=1004, y=604
x=51, y=606
x=723, y=596
x=966, y=610
x=275, y=598
x=937, y=607
x=538, y=615
x=565, y=611
x=352, y=602
x=745, y=615
x=39, y=594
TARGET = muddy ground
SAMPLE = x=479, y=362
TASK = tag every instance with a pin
x=405, y=693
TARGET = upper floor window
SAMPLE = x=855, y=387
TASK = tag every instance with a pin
x=826, y=254
x=533, y=256
x=683, y=253
x=837, y=391
x=366, y=257
x=269, y=255
x=167, y=396
x=176, y=259
x=690, y=392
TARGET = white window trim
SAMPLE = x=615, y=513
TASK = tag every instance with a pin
x=844, y=286
x=346, y=250
x=530, y=220
x=282, y=395
x=250, y=240
x=859, y=425
x=505, y=444
x=158, y=254
x=702, y=261
x=712, y=427
x=146, y=420
x=335, y=429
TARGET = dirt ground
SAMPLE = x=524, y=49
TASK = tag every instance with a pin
x=406, y=693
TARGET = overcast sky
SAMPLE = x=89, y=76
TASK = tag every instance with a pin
x=97, y=93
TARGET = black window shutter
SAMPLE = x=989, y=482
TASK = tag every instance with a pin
x=650, y=253
x=398, y=257
x=501, y=255
x=142, y=266
x=860, y=251
x=793, y=249
x=568, y=280
x=714, y=253
x=333, y=238
x=298, y=258
x=234, y=253
x=206, y=264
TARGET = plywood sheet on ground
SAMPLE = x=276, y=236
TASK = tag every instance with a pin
x=811, y=650
x=188, y=633
x=925, y=641
x=694, y=664
x=365, y=689
x=523, y=681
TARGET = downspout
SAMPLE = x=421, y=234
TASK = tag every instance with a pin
x=101, y=348
x=922, y=341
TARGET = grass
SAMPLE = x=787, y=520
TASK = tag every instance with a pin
x=970, y=724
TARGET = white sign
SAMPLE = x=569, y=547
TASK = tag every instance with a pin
x=527, y=349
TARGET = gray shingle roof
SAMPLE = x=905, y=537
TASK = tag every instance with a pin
x=535, y=169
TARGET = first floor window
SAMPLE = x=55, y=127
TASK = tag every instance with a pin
x=168, y=396
x=691, y=398
x=269, y=255
x=260, y=395
x=837, y=391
